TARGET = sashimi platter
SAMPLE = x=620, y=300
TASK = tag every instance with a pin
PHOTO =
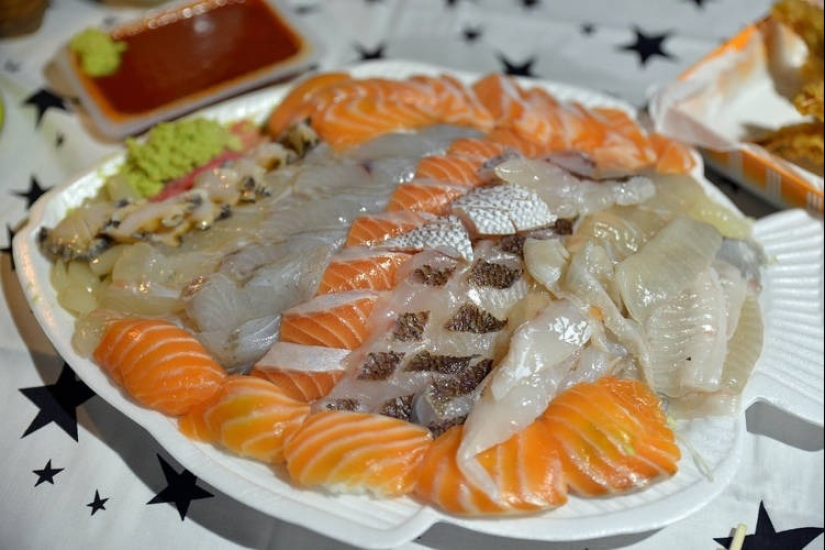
x=394, y=296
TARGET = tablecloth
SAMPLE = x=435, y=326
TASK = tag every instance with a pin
x=76, y=473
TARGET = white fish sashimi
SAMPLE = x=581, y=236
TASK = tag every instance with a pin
x=666, y=265
x=688, y=338
x=541, y=355
x=445, y=234
x=502, y=210
x=546, y=260
x=568, y=196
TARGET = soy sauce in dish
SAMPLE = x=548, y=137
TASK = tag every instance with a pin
x=189, y=51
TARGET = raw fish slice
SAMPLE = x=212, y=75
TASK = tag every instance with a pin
x=445, y=234
x=479, y=148
x=672, y=157
x=456, y=102
x=451, y=168
x=625, y=144
x=303, y=372
x=361, y=268
x=370, y=229
x=356, y=452
x=428, y=196
x=353, y=121
x=525, y=469
x=335, y=320
x=249, y=416
x=502, y=96
x=158, y=364
x=509, y=138
x=297, y=104
x=613, y=436
x=502, y=210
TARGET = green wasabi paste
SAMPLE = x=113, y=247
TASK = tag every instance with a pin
x=172, y=150
x=99, y=54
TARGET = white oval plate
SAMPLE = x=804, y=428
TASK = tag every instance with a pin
x=788, y=375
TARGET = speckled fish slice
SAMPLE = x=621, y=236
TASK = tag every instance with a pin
x=445, y=234
x=502, y=210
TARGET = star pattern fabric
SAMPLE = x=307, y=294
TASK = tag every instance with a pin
x=46, y=474
x=765, y=537
x=181, y=489
x=58, y=402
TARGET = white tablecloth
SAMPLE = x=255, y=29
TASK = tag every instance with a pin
x=77, y=473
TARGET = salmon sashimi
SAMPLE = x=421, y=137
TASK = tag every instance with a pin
x=160, y=365
x=525, y=472
x=451, y=168
x=303, y=372
x=613, y=435
x=361, y=268
x=502, y=96
x=456, y=102
x=672, y=157
x=335, y=320
x=298, y=103
x=371, y=229
x=479, y=148
x=249, y=416
x=432, y=197
x=345, y=451
x=350, y=122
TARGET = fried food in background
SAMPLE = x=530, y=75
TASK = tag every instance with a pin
x=803, y=143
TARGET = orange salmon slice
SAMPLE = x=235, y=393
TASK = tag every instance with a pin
x=160, y=365
x=337, y=320
x=250, y=416
x=355, y=452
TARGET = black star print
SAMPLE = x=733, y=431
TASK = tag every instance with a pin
x=181, y=488
x=471, y=34
x=45, y=100
x=307, y=9
x=33, y=193
x=525, y=69
x=647, y=46
x=7, y=249
x=47, y=473
x=766, y=537
x=57, y=402
x=588, y=28
x=98, y=503
x=365, y=54
x=699, y=3
x=530, y=3
x=11, y=66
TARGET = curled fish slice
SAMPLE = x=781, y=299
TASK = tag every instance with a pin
x=349, y=452
x=526, y=473
x=613, y=436
x=160, y=365
x=250, y=416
